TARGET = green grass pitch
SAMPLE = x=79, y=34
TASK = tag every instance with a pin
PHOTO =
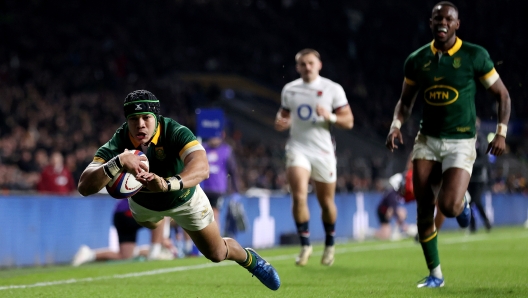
x=480, y=265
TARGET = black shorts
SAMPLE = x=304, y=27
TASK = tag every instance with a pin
x=382, y=215
x=126, y=226
x=215, y=199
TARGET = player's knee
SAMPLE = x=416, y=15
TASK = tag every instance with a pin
x=215, y=256
x=449, y=210
x=327, y=208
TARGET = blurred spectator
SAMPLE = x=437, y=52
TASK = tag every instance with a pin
x=41, y=159
x=57, y=75
x=26, y=163
x=56, y=178
x=127, y=228
x=391, y=207
x=222, y=172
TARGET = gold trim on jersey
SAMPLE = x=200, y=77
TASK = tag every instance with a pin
x=155, y=138
x=409, y=82
x=189, y=145
x=98, y=159
x=452, y=50
x=490, y=78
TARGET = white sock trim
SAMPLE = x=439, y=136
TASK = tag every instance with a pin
x=154, y=251
x=437, y=272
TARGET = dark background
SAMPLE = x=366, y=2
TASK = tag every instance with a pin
x=66, y=66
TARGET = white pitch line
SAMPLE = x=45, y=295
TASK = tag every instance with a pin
x=384, y=246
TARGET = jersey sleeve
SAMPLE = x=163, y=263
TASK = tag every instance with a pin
x=110, y=149
x=284, y=100
x=340, y=99
x=484, y=69
x=185, y=142
x=410, y=71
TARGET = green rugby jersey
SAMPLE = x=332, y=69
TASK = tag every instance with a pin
x=448, y=86
x=170, y=142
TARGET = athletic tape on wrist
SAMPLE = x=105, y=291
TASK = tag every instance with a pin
x=396, y=123
x=169, y=185
x=502, y=129
x=333, y=118
x=175, y=183
x=112, y=167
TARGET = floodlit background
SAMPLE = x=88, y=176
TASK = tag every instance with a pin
x=66, y=66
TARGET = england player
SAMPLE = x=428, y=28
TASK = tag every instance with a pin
x=443, y=74
x=177, y=163
x=310, y=106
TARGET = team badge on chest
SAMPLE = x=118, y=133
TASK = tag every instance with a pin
x=160, y=153
x=457, y=62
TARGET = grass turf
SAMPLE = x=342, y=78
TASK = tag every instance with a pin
x=480, y=265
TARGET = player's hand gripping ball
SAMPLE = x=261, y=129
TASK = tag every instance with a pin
x=124, y=185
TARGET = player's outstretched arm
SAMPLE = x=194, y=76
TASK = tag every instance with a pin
x=498, y=145
x=402, y=112
x=195, y=170
x=94, y=178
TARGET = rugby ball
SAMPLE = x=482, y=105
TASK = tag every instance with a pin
x=124, y=185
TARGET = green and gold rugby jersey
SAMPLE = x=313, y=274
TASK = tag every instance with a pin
x=447, y=85
x=171, y=143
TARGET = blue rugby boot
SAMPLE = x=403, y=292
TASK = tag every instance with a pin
x=431, y=282
x=464, y=218
x=264, y=271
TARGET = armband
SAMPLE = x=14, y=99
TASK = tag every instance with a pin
x=502, y=129
x=396, y=123
x=333, y=118
x=112, y=167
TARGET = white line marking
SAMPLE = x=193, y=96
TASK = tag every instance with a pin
x=384, y=246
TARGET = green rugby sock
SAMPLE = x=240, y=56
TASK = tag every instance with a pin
x=430, y=250
x=250, y=262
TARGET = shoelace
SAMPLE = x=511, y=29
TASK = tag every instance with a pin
x=428, y=279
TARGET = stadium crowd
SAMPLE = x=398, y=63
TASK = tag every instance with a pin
x=64, y=74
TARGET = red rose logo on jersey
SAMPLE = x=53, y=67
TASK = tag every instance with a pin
x=319, y=93
x=440, y=95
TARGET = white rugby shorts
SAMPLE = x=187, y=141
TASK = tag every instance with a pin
x=452, y=153
x=193, y=215
x=322, y=168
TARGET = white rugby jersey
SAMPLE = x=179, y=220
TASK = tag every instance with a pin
x=309, y=132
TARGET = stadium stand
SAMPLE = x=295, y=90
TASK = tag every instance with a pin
x=75, y=61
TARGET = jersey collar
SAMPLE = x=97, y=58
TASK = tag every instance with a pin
x=155, y=138
x=316, y=81
x=452, y=50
